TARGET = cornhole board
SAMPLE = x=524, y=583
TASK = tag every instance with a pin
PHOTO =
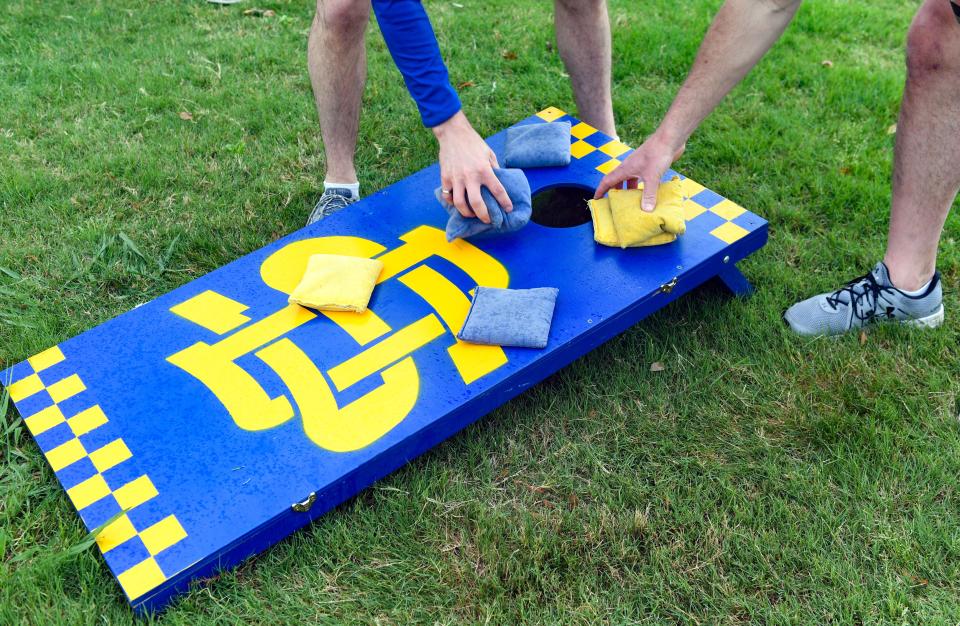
x=212, y=422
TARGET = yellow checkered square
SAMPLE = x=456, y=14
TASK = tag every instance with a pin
x=729, y=232
x=141, y=578
x=614, y=148
x=609, y=166
x=581, y=149
x=66, y=388
x=66, y=454
x=162, y=535
x=110, y=455
x=551, y=113
x=46, y=359
x=728, y=210
x=135, y=493
x=692, y=210
x=42, y=421
x=582, y=130
x=25, y=387
x=85, y=421
x=89, y=491
x=691, y=187
x=118, y=532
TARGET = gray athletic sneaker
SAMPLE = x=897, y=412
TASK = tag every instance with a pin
x=866, y=300
x=330, y=202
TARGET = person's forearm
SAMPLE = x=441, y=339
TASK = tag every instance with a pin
x=741, y=33
x=410, y=39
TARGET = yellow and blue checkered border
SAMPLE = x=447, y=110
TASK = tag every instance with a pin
x=587, y=141
x=144, y=573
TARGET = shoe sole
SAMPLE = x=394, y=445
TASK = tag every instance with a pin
x=933, y=320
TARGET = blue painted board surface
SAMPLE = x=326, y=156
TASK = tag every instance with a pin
x=206, y=413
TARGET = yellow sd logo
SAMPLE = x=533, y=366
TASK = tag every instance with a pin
x=366, y=419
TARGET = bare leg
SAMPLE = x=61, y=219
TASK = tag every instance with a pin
x=926, y=167
x=337, y=61
x=583, y=40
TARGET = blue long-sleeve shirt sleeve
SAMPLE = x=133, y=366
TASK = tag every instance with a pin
x=413, y=46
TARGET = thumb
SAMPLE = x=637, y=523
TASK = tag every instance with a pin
x=649, y=201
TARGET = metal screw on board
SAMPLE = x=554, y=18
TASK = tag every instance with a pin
x=726, y=259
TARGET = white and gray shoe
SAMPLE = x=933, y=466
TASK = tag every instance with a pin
x=330, y=202
x=866, y=300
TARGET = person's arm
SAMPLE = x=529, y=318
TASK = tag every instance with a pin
x=466, y=161
x=741, y=33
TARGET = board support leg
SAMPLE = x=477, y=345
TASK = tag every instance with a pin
x=735, y=281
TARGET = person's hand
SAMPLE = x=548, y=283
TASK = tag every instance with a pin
x=648, y=163
x=466, y=163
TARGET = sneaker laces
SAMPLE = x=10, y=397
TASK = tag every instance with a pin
x=863, y=294
x=329, y=203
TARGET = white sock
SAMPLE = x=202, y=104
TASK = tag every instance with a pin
x=353, y=188
x=917, y=292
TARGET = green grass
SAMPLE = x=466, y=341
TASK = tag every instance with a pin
x=760, y=478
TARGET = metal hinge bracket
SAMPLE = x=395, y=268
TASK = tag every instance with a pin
x=668, y=287
x=304, y=505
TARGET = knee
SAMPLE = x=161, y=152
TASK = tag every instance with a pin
x=933, y=41
x=580, y=7
x=345, y=18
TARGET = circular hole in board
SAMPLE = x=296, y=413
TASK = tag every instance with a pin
x=563, y=206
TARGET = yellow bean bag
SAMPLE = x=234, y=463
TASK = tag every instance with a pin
x=337, y=283
x=618, y=219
